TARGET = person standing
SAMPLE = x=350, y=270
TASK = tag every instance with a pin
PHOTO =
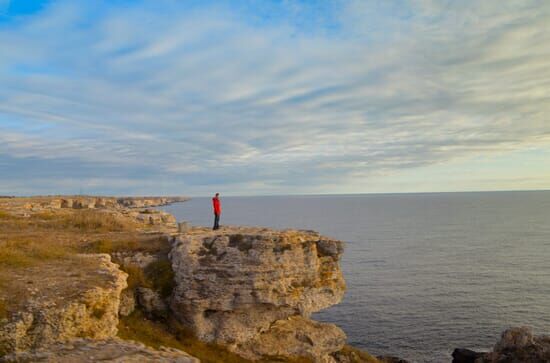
x=216, y=204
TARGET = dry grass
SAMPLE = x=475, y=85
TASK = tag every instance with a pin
x=91, y=220
x=3, y=310
x=173, y=334
x=156, y=334
x=161, y=275
x=5, y=215
x=136, y=277
x=21, y=253
x=47, y=235
x=354, y=355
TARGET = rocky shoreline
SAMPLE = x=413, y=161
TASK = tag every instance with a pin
x=249, y=291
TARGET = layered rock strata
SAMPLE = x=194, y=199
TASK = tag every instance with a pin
x=111, y=351
x=253, y=290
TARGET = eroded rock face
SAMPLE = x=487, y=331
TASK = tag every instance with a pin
x=296, y=336
x=233, y=284
x=151, y=302
x=111, y=350
x=91, y=311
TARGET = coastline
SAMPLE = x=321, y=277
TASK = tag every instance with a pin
x=154, y=299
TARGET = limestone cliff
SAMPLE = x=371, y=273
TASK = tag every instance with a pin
x=66, y=306
x=253, y=289
x=93, y=202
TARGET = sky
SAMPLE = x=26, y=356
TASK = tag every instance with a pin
x=251, y=97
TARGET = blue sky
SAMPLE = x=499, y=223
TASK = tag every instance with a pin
x=273, y=97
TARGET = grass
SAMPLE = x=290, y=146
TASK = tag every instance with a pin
x=158, y=276
x=3, y=310
x=136, y=277
x=354, y=355
x=22, y=253
x=96, y=221
x=55, y=235
x=155, y=334
x=173, y=334
x=5, y=215
x=161, y=275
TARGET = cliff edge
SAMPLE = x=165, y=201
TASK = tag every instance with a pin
x=253, y=290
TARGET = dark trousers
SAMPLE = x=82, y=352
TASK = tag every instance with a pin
x=216, y=221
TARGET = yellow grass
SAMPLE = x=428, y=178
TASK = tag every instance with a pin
x=355, y=355
x=3, y=310
x=96, y=221
x=5, y=215
x=25, y=252
x=172, y=334
x=155, y=334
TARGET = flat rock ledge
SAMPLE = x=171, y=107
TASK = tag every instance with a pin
x=92, y=312
x=111, y=350
x=516, y=345
x=253, y=290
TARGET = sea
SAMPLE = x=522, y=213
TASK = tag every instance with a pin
x=425, y=273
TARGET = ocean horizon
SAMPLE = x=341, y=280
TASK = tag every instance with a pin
x=426, y=272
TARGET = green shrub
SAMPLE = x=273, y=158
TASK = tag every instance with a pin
x=161, y=275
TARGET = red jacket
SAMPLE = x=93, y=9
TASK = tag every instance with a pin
x=217, y=205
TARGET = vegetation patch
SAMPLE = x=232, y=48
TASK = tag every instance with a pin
x=21, y=253
x=5, y=215
x=161, y=275
x=136, y=276
x=172, y=334
x=96, y=221
x=3, y=310
x=354, y=355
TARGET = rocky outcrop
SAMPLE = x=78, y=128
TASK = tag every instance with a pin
x=151, y=302
x=111, y=350
x=296, y=336
x=127, y=302
x=89, y=307
x=154, y=218
x=145, y=202
x=516, y=345
x=253, y=290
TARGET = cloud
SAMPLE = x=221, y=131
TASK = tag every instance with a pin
x=311, y=98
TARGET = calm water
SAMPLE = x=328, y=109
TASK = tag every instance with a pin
x=426, y=272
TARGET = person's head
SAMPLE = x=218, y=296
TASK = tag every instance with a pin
x=217, y=195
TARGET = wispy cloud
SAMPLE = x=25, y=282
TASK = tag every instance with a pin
x=308, y=99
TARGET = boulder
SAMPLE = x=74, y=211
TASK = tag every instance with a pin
x=516, y=345
x=298, y=337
